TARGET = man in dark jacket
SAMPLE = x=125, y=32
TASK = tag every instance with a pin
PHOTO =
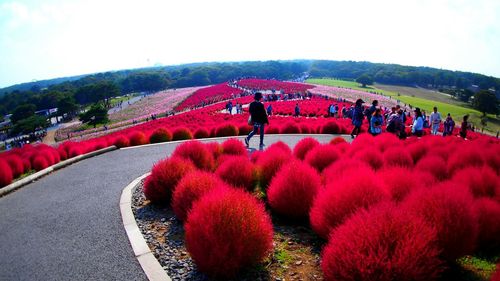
x=259, y=118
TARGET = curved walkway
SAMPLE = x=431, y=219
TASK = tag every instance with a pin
x=67, y=225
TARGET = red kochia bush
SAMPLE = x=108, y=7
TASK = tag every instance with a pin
x=197, y=152
x=165, y=175
x=215, y=148
x=227, y=230
x=481, y=181
x=496, y=275
x=75, y=150
x=182, y=133
x=371, y=157
x=322, y=156
x=238, y=171
x=290, y=128
x=293, y=189
x=450, y=209
x=463, y=158
x=398, y=156
x=16, y=165
x=434, y=165
x=304, y=146
x=40, y=163
x=5, y=173
x=337, y=140
x=331, y=128
x=343, y=197
x=280, y=145
x=400, y=181
x=344, y=166
x=190, y=189
x=160, y=135
x=138, y=138
x=201, y=133
x=269, y=163
x=382, y=244
x=226, y=130
x=489, y=224
x=121, y=141
x=234, y=147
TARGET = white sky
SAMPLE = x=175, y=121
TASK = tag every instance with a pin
x=56, y=38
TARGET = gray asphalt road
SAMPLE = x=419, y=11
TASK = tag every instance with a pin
x=67, y=225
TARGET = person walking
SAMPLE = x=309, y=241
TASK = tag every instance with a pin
x=435, y=120
x=449, y=126
x=369, y=113
x=357, y=117
x=418, y=123
x=259, y=119
x=297, y=110
x=376, y=122
x=464, y=127
x=269, y=110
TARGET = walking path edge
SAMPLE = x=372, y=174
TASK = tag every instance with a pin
x=152, y=268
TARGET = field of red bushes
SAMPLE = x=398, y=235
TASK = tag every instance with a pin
x=387, y=209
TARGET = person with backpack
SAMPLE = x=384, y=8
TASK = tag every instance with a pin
x=357, y=117
x=258, y=119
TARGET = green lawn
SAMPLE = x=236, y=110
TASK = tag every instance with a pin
x=456, y=111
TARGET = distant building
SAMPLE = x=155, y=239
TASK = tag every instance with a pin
x=473, y=88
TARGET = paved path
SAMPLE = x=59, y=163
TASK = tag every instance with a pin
x=67, y=226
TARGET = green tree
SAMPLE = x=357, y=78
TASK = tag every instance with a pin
x=486, y=102
x=97, y=114
x=30, y=125
x=68, y=106
x=22, y=112
x=364, y=80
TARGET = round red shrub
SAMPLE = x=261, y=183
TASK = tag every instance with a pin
x=434, y=165
x=401, y=181
x=450, y=209
x=201, y=133
x=62, y=153
x=382, y=244
x=385, y=141
x=371, y=157
x=337, y=140
x=304, y=146
x=244, y=129
x=418, y=150
x=331, y=128
x=40, y=163
x=398, y=156
x=226, y=130
x=290, y=128
x=322, y=156
x=293, y=189
x=489, y=224
x=182, y=133
x=305, y=129
x=16, y=165
x=466, y=157
x=26, y=164
x=138, y=138
x=5, y=173
x=227, y=230
x=234, y=147
x=272, y=130
x=197, y=152
x=269, y=162
x=280, y=145
x=165, y=175
x=481, y=181
x=190, y=189
x=344, y=166
x=75, y=150
x=238, y=171
x=496, y=275
x=121, y=141
x=215, y=148
x=343, y=197
x=160, y=135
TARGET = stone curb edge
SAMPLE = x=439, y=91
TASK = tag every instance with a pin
x=230, y=137
x=31, y=178
x=152, y=268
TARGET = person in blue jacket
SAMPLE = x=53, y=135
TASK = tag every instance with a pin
x=357, y=117
x=418, y=123
x=376, y=122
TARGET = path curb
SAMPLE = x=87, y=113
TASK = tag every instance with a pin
x=152, y=268
x=31, y=178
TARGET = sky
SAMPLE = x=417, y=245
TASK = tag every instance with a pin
x=57, y=38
